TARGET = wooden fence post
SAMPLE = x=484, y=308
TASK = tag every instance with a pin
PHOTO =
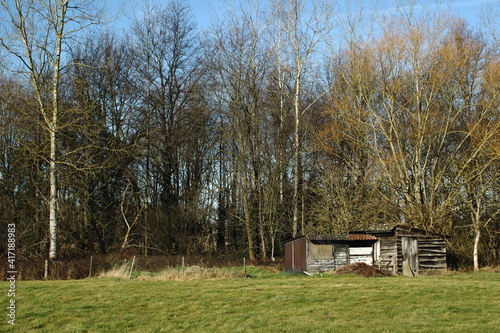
x=131, y=268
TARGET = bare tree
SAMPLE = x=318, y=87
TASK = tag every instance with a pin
x=489, y=16
x=169, y=68
x=422, y=101
x=305, y=26
x=124, y=203
x=478, y=176
x=424, y=90
x=102, y=133
x=37, y=39
x=241, y=65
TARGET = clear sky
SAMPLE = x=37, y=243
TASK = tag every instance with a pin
x=208, y=11
x=204, y=11
x=470, y=10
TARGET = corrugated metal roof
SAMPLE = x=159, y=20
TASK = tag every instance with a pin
x=390, y=228
x=341, y=237
x=362, y=237
x=383, y=227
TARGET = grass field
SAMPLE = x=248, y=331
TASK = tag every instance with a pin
x=269, y=302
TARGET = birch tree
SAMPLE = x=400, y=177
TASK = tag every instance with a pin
x=38, y=31
x=305, y=26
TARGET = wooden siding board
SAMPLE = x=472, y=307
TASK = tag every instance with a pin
x=388, y=254
x=365, y=259
x=288, y=255
x=433, y=267
x=361, y=254
x=300, y=254
x=320, y=251
x=432, y=254
x=438, y=252
x=360, y=251
x=409, y=249
x=340, y=255
x=320, y=265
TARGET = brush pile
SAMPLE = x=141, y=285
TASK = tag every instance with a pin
x=360, y=268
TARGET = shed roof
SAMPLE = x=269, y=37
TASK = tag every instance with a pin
x=379, y=228
x=388, y=228
x=362, y=237
x=341, y=237
x=328, y=237
x=368, y=234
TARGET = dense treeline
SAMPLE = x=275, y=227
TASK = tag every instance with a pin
x=277, y=121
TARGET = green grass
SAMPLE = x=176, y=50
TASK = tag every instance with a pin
x=270, y=302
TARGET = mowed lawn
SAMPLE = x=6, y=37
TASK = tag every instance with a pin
x=275, y=302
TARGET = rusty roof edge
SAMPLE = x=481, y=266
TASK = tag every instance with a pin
x=388, y=229
x=339, y=236
x=362, y=236
x=334, y=237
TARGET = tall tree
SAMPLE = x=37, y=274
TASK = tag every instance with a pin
x=241, y=65
x=305, y=26
x=168, y=53
x=104, y=135
x=39, y=30
x=478, y=174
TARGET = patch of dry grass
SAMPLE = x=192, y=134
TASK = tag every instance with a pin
x=194, y=273
x=490, y=269
x=121, y=272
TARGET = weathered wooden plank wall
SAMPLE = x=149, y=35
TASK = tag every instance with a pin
x=388, y=254
x=341, y=255
x=300, y=254
x=320, y=265
x=361, y=254
x=432, y=254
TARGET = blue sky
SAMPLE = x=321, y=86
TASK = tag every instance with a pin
x=470, y=10
x=208, y=11
x=205, y=10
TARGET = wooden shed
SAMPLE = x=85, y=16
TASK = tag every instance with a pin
x=404, y=250
x=319, y=253
x=397, y=249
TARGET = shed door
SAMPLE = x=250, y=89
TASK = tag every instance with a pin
x=409, y=248
x=340, y=254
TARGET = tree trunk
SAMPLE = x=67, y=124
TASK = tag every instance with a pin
x=53, y=144
x=296, y=168
x=476, y=248
x=248, y=226
x=53, y=197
